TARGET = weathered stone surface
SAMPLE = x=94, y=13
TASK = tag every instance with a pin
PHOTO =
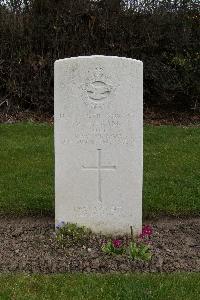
x=99, y=142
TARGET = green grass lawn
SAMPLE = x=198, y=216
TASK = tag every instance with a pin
x=91, y=287
x=26, y=168
x=171, y=169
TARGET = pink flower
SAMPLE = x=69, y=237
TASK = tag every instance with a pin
x=117, y=243
x=146, y=231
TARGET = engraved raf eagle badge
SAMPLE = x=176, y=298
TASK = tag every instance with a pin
x=98, y=90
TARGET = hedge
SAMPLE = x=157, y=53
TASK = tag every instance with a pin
x=163, y=34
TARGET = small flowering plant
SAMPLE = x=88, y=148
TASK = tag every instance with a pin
x=68, y=234
x=60, y=224
x=138, y=248
x=115, y=246
x=140, y=251
x=146, y=232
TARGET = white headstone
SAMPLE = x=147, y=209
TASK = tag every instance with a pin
x=99, y=142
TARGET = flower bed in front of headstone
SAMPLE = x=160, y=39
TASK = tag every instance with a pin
x=29, y=244
x=136, y=247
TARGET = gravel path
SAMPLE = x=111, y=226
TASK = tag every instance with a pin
x=28, y=245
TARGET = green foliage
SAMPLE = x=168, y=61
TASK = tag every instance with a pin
x=163, y=34
x=109, y=248
x=139, y=251
x=70, y=234
x=136, y=250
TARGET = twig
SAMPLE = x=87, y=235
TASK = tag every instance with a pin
x=4, y=102
x=132, y=238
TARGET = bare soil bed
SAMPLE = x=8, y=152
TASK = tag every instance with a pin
x=28, y=244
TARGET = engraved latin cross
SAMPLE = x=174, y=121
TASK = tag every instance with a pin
x=99, y=168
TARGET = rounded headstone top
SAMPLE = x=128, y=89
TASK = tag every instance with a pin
x=100, y=57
